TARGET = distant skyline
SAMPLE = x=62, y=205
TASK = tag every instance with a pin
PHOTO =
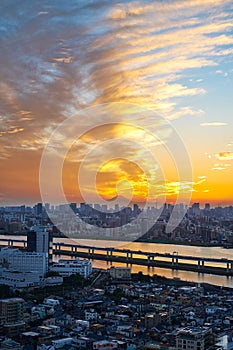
x=172, y=58
x=109, y=206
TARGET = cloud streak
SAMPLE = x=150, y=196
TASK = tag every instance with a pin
x=60, y=57
x=213, y=124
x=225, y=155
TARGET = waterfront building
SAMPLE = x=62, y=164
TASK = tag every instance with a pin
x=67, y=268
x=120, y=273
x=19, y=280
x=40, y=240
x=14, y=259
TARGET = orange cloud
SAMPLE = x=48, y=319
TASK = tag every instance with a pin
x=225, y=155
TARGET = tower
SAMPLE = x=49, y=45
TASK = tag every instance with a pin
x=41, y=241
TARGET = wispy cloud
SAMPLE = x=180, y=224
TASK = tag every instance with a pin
x=75, y=55
x=213, y=124
x=218, y=168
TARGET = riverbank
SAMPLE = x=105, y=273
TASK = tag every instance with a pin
x=186, y=250
x=140, y=240
x=185, y=243
x=177, y=282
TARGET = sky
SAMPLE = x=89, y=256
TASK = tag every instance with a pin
x=120, y=98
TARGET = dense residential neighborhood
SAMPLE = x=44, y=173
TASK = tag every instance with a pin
x=112, y=310
x=69, y=304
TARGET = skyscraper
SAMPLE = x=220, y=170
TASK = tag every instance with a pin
x=41, y=241
x=38, y=209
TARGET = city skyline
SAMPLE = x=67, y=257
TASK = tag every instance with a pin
x=172, y=60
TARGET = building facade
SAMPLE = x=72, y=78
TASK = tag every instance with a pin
x=67, y=268
x=11, y=311
x=191, y=338
x=39, y=240
x=120, y=273
x=14, y=259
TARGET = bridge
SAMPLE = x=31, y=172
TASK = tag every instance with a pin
x=136, y=257
x=173, y=261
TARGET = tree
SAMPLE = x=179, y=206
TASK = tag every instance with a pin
x=52, y=274
x=4, y=291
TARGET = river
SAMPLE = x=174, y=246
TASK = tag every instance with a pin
x=210, y=252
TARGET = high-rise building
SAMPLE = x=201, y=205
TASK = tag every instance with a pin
x=73, y=206
x=196, y=208
x=47, y=207
x=11, y=311
x=41, y=241
x=38, y=209
x=136, y=209
x=82, y=208
x=207, y=206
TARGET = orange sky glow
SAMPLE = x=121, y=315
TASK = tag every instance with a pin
x=130, y=99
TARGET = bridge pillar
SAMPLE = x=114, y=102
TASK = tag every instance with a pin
x=76, y=249
x=231, y=266
x=24, y=244
x=173, y=260
x=203, y=263
x=199, y=264
x=152, y=259
x=89, y=252
x=109, y=252
x=93, y=251
x=177, y=260
x=228, y=267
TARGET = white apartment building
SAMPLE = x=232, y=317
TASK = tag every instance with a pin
x=14, y=259
x=67, y=268
x=19, y=280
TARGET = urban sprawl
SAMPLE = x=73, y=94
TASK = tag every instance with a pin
x=68, y=304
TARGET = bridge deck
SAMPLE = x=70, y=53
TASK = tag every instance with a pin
x=138, y=257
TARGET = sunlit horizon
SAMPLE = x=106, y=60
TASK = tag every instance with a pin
x=165, y=70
